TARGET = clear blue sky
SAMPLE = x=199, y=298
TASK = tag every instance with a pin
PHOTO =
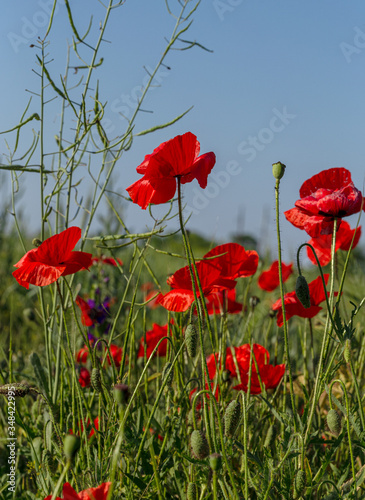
x=285, y=81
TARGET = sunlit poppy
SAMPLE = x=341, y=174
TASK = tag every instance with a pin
x=153, y=337
x=98, y=493
x=178, y=157
x=326, y=196
x=233, y=261
x=269, y=279
x=84, y=378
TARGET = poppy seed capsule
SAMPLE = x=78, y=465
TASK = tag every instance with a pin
x=347, y=351
x=121, y=393
x=215, y=461
x=299, y=483
x=70, y=446
x=166, y=375
x=199, y=444
x=192, y=492
x=302, y=291
x=334, y=422
x=232, y=417
x=278, y=170
x=96, y=379
x=191, y=339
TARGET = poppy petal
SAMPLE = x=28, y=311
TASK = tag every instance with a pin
x=37, y=274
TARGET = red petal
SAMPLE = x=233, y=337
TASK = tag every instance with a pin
x=200, y=170
x=76, y=262
x=236, y=262
x=37, y=274
x=269, y=280
x=57, y=248
x=157, y=190
x=333, y=179
x=177, y=300
x=69, y=493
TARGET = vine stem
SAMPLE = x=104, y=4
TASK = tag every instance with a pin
x=285, y=326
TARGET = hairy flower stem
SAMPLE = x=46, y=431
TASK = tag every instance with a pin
x=326, y=336
x=205, y=373
x=285, y=326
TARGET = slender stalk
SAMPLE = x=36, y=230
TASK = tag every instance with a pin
x=285, y=326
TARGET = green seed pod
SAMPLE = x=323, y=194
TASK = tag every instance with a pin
x=199, y=444
x=192, y=493
x=269, y=436
x=232, y=417
x=215, y=461
x=96, y=379
x=334, y=422
x=36, y=242
x=299, y=483
x=70, y=446
x=278, y=170
x=302, y=291
x=191, y=339
x=121, y=394
x=168, y=377
x=347, y=351
x=16, y=389
x=50, y=462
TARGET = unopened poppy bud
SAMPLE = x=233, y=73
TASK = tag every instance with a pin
x=254, y=301
x=299, y=483
x=166, y=375
x=96, y=379
x=199, y=444
x=192, y=493
x=70, y=446
x=232, y=417
x=36, y=242
x=191, y=340
x=347, y=351
x=334, y=422
x=278, y=170
x=215, y=461
x=302, y=291
x=269, y=436
x=16, y=389
x=121, y=394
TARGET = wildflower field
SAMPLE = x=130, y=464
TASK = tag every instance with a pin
x=162, y=365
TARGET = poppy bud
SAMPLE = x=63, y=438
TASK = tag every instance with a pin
x=302, y=291
x=96, y=379
x=215, y=461
x=334, y=422
x=36, y=242
x=168, y=376
x=254, y=301
x=199, y=444
x=299, y=483
x=192, y=493
x=70, y=446
x=347, y=351
x=232, y=417
x=278, y=170
x=269, y=436
x=121, y=393
x=16, y=389
x=191, y=339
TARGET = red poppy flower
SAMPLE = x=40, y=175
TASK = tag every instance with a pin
x=293, y=306
x=106, y=260
x=53, y=258
x=152, y=338
x=82, y=355
x=233, y=261
x=269, y=280
x=85, y=311
x=270, y=375
x=98, y=493
x=116, y=353
x=81, y=426
x=325, y=196
x=223, y=301
x=84, y=378
x=178, y=157
x=322, y=244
